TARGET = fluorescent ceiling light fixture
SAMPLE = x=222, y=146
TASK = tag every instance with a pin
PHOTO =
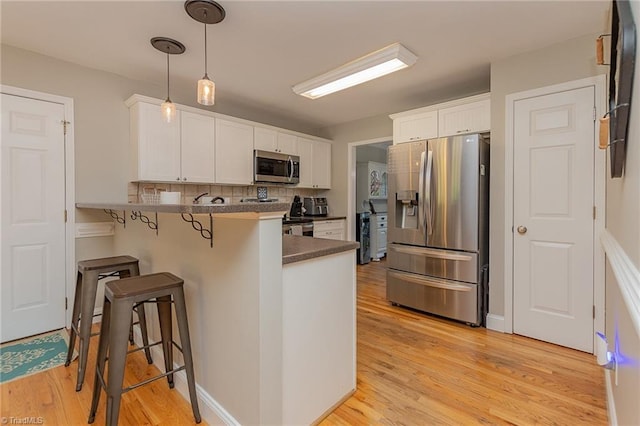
x=376, y=64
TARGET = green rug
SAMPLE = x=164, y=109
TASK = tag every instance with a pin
x=32, y=355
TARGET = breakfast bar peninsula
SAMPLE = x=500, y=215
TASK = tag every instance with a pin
x=272, y=317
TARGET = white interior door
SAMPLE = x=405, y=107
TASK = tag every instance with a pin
x=553, y=197
x=32, y=226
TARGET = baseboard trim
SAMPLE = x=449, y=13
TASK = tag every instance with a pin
x=210, y=410
x=95, y=229
x=611, y=402
x=627, y=276
x=495, y=322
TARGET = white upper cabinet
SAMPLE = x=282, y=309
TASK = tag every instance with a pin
x=315, y=163
x=265, y=139
x=466, y=118
x=321, y=152
x=274, y=141
x=305, y=151
x=205, y=147
x=287, y=143
x=170, y=152
x=198, y=140
x=415, y=127
x=467, y=115
x=234, y=152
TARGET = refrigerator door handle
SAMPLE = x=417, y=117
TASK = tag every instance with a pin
x=421, y=207
x=428, y=172
x=430, y=282
x=436, y=254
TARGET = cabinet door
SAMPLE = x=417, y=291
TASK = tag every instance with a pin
x=233, y=153
x=155, y=143
x=415, y=127
x=305, y=151
x=197, y=147
x=321, y=153
x=287, y=144
x=467, y=118
x=265, y=139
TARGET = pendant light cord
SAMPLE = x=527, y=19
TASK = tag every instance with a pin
x=205, y=48
x=168, y=98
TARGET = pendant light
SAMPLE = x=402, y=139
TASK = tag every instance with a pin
x=170, y=47
x=206, y=12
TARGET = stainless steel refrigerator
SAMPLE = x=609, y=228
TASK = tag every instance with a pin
x=438, y=226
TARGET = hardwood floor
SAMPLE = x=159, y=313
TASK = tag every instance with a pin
x=413, y=369
x=51, y=396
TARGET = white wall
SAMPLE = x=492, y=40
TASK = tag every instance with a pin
x=369, y=128
x=570, y=60
x=101, y=121
x=623, y=223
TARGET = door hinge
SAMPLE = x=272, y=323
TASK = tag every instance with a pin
x=594, y=311
x=65, y=216
x=66, y=303
x=594, y=212
x=594, y=113
x=64, y=126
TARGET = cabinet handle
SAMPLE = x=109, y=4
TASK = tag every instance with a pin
x=184, y=178
x=463, y=131
x=178, y=178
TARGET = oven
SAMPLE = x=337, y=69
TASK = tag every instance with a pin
x=297, y=226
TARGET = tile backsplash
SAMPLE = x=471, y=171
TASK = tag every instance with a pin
x=236, y=193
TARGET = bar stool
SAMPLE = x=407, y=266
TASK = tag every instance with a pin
x=119, y=299
x=89, y=273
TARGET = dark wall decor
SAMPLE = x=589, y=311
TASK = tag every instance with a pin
x=622, y=62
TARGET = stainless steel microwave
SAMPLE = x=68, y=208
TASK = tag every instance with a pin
x=276, y=167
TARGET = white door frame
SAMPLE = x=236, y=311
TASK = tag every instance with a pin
x=599, y=83
x=351, y=182
x=70, y=192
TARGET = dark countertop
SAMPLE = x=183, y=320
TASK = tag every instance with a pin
x=297, y=248
x=190, y=208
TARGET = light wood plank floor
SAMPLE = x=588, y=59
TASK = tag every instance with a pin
x=413, y=369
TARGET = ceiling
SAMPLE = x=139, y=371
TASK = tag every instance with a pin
x=263, y=48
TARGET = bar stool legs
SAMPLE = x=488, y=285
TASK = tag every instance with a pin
x=120, y=299
x=89, y=273
x=185, y=339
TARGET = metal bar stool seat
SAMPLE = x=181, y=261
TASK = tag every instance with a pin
x=89, y=273
x=120, y=296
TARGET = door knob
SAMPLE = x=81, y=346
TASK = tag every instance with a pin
x=522, y=230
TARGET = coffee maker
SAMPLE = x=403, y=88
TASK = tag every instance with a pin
x=296, y=207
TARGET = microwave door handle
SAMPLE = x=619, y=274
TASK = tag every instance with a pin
x=421, y=200
x=429, y=172
x=290, y=168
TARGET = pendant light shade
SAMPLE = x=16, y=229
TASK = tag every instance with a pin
x=207, y=12
x=170, y=47
x=206, y=91
x=168, y=111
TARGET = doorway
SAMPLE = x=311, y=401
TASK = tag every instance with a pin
x=37, y=205
x=352, y=160
x=554, y=273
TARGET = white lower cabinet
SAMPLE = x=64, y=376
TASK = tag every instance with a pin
x=234, y=153
x=329, y=229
